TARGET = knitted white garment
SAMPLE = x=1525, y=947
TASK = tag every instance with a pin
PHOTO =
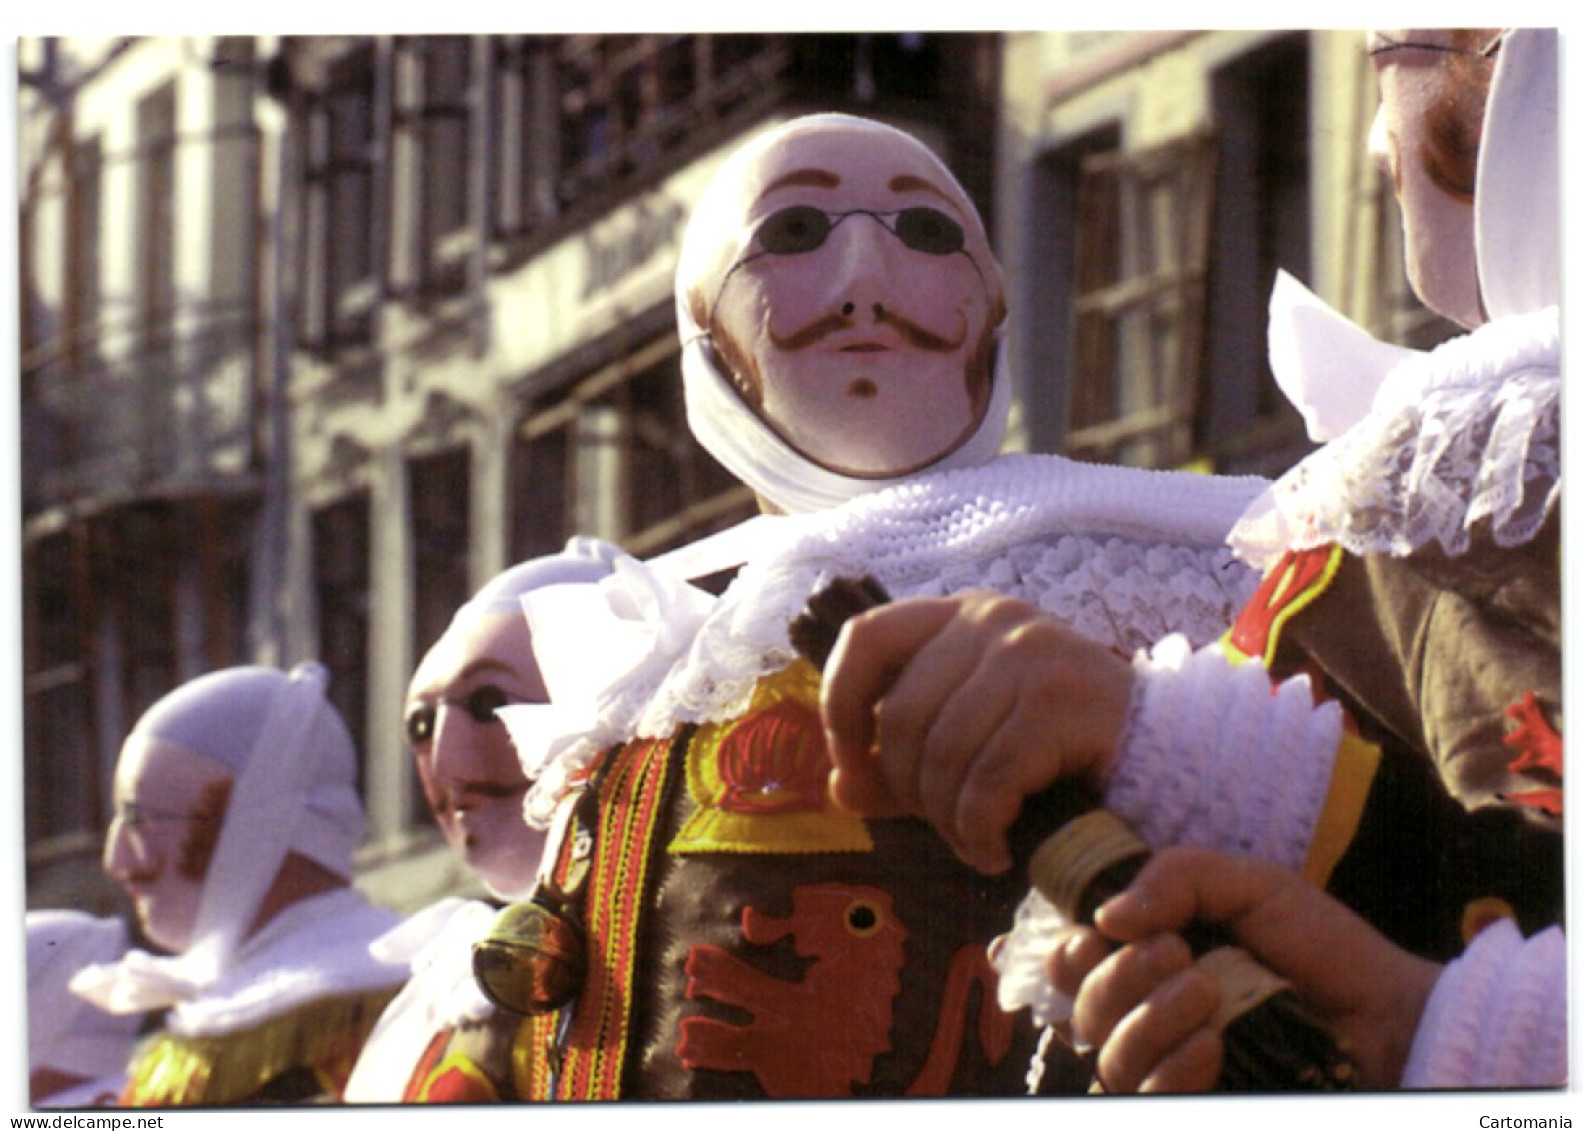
x=1497, y=1015
x=436, y=944
x=316, y=948
x=1123, y=555
x=1211, y=755
x=1467, y=432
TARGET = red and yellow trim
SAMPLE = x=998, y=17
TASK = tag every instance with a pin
x=1293, y=583
x=456, y=1079
x=759, y=782
x=631, y=793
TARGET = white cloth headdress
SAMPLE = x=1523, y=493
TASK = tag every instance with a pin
x=294, y=773
x=583, y=560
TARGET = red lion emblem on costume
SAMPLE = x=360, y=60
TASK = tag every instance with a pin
x=817, y=1036
x=820, y=1035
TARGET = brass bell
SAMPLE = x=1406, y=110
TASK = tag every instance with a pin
x=533, y=959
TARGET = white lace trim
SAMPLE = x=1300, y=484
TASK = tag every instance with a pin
x=1467, y=432
x=1124, y=555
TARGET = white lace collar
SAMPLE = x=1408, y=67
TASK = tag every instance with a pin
x=1465, y=433
x=1125, y=554
x=1047, y=529
x=1424, y=446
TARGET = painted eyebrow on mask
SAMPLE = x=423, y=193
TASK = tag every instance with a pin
x=813, y=178
x=824, y=178
x=907, y=182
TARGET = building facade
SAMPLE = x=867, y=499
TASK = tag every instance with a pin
x=319, y=333
x=323, y=332
x=1148, y=186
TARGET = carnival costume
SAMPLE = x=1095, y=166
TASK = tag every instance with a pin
x=1408, y=754
x=278, y=1014
x=720, y=868
x=412, y=1055
x=743, y=937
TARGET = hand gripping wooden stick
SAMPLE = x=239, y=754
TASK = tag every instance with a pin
x=1078, y=855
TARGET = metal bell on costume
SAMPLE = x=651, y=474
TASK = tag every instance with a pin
x=533, y=959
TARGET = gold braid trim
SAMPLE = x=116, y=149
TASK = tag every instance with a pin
x=323, y=1036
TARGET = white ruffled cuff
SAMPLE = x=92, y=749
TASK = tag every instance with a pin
x=1497, y=1016
x=1213, y=755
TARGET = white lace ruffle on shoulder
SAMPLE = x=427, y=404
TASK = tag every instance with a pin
x=1123, y=555
x=1467, y=432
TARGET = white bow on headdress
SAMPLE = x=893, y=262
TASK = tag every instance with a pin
x=602, y=650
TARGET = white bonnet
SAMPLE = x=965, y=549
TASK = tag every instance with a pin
x=221, y=717
x=583, y=559
x=1517, y=197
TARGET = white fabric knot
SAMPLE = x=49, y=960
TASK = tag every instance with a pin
x=602, y=650
x=138, y=982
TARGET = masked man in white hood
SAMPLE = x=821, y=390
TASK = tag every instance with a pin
x=741, y=936
x=441, y=1040
x=1410, y=619
x=236, y=816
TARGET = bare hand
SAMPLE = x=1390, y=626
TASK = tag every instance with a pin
x=1146, y=1007
x=955, y=709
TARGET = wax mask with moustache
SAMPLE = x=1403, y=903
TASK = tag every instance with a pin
x=164, y=805
x=466, y=762
x=842, y=278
